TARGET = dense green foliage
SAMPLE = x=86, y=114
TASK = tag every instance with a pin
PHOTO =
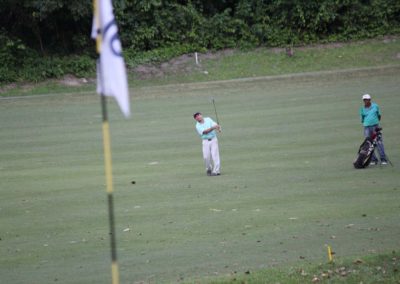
x=39, y=36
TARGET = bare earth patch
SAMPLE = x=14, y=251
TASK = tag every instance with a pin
x=72, y=81
x=183, y=64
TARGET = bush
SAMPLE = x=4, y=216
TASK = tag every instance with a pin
x=80, y=66
x=12, y=55
x=154, y=30
x=134, y=58
x=7, y=75
x=39, y=68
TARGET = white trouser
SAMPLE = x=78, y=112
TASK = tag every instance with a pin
x=211, y=155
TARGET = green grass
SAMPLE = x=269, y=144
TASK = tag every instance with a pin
x=371, y=269
x=270, y=62
x=254, y=63
x=287, y=188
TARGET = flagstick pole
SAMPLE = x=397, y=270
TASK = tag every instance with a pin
x=109, y=183
x=107, y=162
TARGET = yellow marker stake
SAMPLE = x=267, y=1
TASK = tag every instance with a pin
x=330, y=254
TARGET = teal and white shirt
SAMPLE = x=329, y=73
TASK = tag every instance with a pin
x=370, y=116
x=208, y=123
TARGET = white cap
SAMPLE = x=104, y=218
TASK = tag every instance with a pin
x=366, y=97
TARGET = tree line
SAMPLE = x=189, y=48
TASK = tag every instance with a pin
x=49, y=38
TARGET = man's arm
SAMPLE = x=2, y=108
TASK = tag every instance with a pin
x=362, y=115
x=378, y=113
x=215, y=127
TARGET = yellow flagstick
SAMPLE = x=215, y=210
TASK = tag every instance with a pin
x=107, y=161
x=98, y=32
x=109, y=183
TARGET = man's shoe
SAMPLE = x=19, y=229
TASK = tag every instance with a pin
x=209, y=172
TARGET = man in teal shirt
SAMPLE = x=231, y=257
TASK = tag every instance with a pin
x=207, y=128
x=370, y=117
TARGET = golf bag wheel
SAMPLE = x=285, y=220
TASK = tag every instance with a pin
x=364, y=154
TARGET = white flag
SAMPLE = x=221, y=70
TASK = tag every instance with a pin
x=111, y=75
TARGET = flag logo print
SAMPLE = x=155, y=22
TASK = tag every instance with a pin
x=114, y=42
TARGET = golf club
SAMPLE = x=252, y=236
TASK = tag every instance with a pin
x=216, y=114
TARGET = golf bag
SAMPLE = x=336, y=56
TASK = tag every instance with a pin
x=366, y=149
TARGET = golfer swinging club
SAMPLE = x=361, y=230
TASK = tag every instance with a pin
x=206, y=127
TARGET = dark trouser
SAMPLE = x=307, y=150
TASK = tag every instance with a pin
x=368, y=131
